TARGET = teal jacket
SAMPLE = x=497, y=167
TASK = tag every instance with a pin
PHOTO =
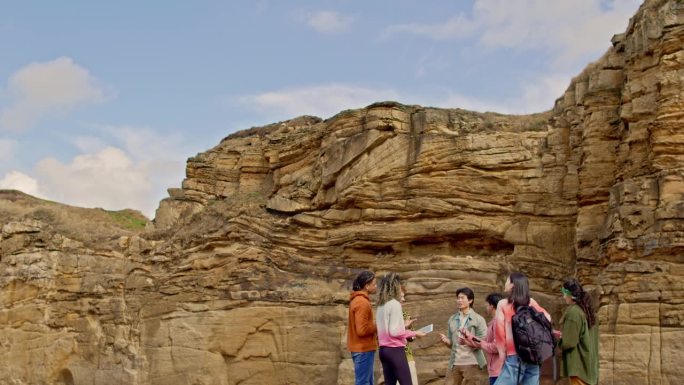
x=476, y=325
x=580, y=345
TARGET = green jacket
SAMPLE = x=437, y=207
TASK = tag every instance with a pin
x=474, y=324
x=579, y=345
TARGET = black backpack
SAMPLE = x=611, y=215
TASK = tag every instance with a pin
x=533, y=335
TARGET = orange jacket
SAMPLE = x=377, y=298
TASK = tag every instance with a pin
x=361, y=329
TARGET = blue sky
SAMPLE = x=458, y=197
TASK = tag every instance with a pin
x=101, y=103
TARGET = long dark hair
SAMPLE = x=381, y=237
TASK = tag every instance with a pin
x=520, y=293
x=389, y=288
x=362, y=279
x=582, y=299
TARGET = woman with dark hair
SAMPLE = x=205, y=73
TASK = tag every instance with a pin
x=392, y=333
x=361, y=330
x=514, y=370
x=488, y=345
x=579, y=336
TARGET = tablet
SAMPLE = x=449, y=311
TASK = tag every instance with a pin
x=425, y=329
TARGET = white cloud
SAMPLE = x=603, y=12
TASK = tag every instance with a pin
x=541, y=95
x=144, y=143
x=570, y=30
x=320, y=100
x=535, y=97
x=41, y=89
x=89, y=143
x=15, y=180
x=457, y=100
x=124, y=167
x=327, y=100
x=328, y=22
x=160, y=157
x=107, y=179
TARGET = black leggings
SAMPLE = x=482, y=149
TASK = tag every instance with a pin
x=395, y=366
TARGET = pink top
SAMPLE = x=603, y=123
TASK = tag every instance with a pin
x=504, y=332
x=494, y=360
x=390, y=321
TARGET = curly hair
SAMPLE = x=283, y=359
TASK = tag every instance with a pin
x=582, y=299
x=389, y=288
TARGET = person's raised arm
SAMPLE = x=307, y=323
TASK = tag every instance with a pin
x=396, y=321
x=489, y=347
x=446, y=339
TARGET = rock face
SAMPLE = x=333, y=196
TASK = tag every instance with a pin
x=244, y=277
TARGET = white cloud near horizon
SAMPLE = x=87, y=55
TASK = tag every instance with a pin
x=533, y=97
x=156, y=160
x=145, y=144
x=40, y=89
x=107, y=178
x=15, y=180
x=569, y=30
x=318, y=100
x=123, y=167
x=327, y=22
x=327, y=100
x=536, y=97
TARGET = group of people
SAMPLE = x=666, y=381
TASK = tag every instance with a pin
x=474, y=343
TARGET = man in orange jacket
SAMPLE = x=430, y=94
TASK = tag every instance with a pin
x=362, y=341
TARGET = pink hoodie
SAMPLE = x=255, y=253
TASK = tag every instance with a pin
x=390, y=321
x=504, y=330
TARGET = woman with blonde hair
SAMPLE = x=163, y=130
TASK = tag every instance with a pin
x=392, y=332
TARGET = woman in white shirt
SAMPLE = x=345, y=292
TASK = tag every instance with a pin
x=392, y=332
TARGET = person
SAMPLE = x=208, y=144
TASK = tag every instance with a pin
x=407, y=349
x=494, y=361
x=392, y=332
x=514, y=370
x=361, y=329
x=579, y=340
x=466, y=364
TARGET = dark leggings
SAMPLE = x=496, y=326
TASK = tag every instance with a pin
x=395, y=366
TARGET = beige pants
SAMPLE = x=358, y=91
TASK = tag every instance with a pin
x=466, y=375
x=414, y=375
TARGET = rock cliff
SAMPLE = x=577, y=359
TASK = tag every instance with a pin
x=244, y=276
